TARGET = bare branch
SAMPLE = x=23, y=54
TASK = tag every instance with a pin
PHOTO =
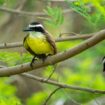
x=11, y=45
x=22, y=4
x=13, y=17
x=74, y=37
x=24, y=13
x=51, y=94
x=54, y=69
x=20, y=44
x=62, y=85
x=18, y=12
x=7, y=71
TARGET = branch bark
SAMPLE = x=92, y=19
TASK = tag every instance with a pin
x=24, y=13
x=62, y=85
x=7, y=71
x=20, y=44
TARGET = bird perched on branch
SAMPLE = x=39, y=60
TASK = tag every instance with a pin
x=39, y=42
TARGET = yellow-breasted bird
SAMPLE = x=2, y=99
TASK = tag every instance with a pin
x=39, y=42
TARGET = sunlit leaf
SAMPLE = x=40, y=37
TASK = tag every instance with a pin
x=56, y=17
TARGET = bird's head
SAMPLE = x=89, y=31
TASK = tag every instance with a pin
x=35, y=27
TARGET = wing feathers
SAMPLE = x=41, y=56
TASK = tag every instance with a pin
x=51, y=41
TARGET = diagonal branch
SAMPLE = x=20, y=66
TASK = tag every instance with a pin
x=51, y=94
x=20, y=44
x=13, y=17
x=7, y=71
x=62, y=85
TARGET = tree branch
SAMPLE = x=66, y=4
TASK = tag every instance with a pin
x=7, y=71
x=62, y=85
x=24, y=13
x=12, y=17
x=20, y=44
x=51, y=94
x=18, y=12
x=11, y=45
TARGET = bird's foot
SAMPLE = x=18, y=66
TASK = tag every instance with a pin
x=31, y=64
x=44, y=58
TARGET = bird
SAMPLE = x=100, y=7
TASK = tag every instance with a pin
x=39, y=42
x=103, y=61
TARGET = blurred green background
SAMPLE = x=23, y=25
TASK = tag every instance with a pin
x=60, y=16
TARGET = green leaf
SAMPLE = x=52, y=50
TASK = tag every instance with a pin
x=2, y=1
x=37, y=98
x=79, y=7
x=56, y=17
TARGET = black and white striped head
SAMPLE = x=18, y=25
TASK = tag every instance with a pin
x=35, y=26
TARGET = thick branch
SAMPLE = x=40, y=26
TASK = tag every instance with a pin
x=20, y=44
x=7, y=71
x=62, y=85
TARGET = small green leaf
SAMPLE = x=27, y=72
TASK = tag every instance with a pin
x=56, y=17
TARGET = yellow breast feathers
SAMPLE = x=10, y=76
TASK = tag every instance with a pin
x=38, y=44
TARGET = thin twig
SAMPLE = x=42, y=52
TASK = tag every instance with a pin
x=18, y=12
x=68, y=34
x=54, y=68
x=24, y=13
x=12, y=17
x=51, y=94
x=20, y=44
x=62, y=85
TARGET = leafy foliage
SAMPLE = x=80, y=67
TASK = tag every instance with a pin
x=37, y=99
x=80, y=8
x=14, y=58
x=7, y=93
x=56, y=16
x=95, y=18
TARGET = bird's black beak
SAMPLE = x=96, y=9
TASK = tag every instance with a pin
x=27, y=29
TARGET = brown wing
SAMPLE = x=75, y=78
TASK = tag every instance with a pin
x=51, y=41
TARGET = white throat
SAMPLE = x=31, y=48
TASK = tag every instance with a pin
x=36, y=34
